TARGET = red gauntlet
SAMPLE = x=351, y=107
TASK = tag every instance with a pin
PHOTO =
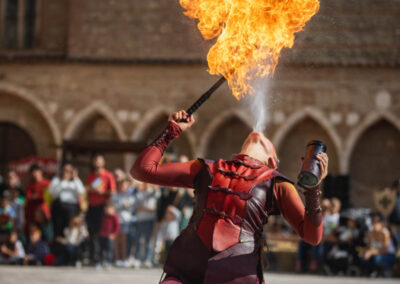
x=313, y=208
x=170, y=132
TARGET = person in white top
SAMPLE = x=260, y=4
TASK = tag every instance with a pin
x=380, y=253
x=65, y=192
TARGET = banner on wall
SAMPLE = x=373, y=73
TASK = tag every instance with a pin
x=49, y=165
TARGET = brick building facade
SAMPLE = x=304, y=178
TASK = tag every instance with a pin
x=108, y=69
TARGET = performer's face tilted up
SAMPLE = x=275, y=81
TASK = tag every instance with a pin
x=261, y=148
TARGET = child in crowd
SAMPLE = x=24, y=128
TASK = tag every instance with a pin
x=44, y=224
x=109, y=229
x=169, y=230
x=12, y=251
x=123, y=201
x=37, y=249
x=74, y=235
x=7, y=216
x=17, y=204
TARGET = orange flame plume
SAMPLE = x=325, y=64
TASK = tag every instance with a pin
x=251, y=35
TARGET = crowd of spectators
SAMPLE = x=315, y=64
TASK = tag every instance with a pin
x=108, y=220
x=111, y=220
x=355, y=241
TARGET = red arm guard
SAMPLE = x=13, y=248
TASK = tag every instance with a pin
x=307, y=223
x=147, y=167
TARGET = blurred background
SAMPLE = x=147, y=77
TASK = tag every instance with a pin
x=82, y=78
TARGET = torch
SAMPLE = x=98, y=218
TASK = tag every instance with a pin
x=204, y=97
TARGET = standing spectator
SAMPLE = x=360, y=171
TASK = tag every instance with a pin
x=109, y=230
x=380, y=253
x=394, y=217
x=123, y=201
x=168, y=196
x=100, y=184
x=146, y=201
x=330, y=224
x=304, y=248
x=35, y=195
x=185, y=205
x=11, y=182
x=37, y=249
x=12, y=251
x=65, y=192
x=74, y=235
x=170, y=227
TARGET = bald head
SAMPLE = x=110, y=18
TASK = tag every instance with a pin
x=261, y=148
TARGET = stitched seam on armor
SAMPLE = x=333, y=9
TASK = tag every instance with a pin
x=214, y=212
x=232, y=174
x=242, y=195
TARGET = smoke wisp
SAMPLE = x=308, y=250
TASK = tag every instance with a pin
x=258, y=103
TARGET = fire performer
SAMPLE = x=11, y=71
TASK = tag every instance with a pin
x=233, y=198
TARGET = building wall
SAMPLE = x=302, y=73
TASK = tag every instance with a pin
x=132, y=62
x=339, y=103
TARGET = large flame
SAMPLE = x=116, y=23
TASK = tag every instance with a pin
x=251, y=35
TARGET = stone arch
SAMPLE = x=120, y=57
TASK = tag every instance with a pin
x=292, y=146
x=98, y=122
x=224, y=122
x=148, y=119
x=298, y=116
x=30, y=98
x=153, y=122
x=374, y=161
x=30, y=114
x=96, y=108
x=356, y=133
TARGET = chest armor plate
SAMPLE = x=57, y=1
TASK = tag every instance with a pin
x=236, y=203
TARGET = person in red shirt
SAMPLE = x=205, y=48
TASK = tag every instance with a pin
x=233, y=198
x=100, y=185
x=35, y=195
x=109, y=230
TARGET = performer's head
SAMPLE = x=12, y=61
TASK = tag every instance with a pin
x=261, y=148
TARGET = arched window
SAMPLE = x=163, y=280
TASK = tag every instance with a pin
x=374, y=162
x=227, y=139
x=180, y=146
x=293, y=147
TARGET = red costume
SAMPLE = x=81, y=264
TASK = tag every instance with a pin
x=35, y=199
x=107, y=187
x=233, y=199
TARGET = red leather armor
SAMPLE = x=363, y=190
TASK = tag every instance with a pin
x=224, y=212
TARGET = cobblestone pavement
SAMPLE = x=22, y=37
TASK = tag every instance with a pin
x=49, y=275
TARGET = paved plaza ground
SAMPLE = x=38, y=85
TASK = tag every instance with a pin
x=48, y=275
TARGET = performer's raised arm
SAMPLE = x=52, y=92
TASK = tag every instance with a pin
x=305, y=220
x=147, y=167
